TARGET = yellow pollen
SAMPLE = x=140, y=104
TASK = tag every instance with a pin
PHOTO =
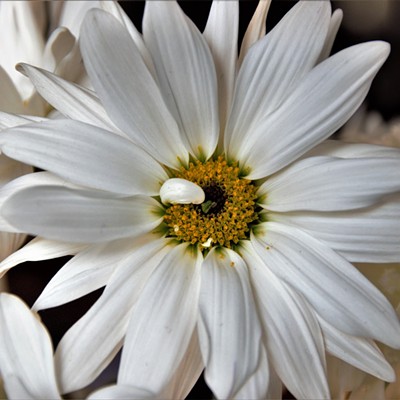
x=226, y=215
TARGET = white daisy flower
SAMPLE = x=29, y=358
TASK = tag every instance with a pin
x=204, y=202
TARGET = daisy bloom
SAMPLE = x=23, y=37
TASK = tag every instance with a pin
x=196, y=185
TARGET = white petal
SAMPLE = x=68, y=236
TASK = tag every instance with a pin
x=333, y=287
x=181, y=191
x=80, y=216
x=72, y=100
x=315, y=109
x=362, y=353
x=9, y=120
x=89, y=270
x=22, y=182
x=189, y=86
x=118, y=12
x=26, y=352
x=91, y=343
x=221, y=34
x=162, y=321
x=85, y=155
x=256, y=29
x=121, y=392
x=292, y=333
x=229, y=328
x=129, y=92
x=331, y=184
x=334, y=25
x=187, y=374
x=272, y=67
x=39, y=249
x=366, y=235
x=263, y=383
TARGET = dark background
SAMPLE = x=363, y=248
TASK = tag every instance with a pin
x=363, y=21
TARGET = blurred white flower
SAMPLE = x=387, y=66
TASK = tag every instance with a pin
x=260, y=271
x=370, y=127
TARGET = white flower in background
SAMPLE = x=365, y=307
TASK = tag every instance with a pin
x=255, y=282
x=26, y=356
x=346, y=381
x=369, y=127
x=42, y=33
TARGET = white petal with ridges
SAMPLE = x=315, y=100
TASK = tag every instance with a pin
x=189, y=86
x=162, y=322
x=366, y=235
x=118, y=12
x=39, y=249
x=72, y=100
x=85, y=155
x=334, y=25
x=127, y=89
x=332, y=286
x=255, y=30
x=331, y=184
x=359, y=352
x=316, y=108
x=92, y=342
x=80, y=216
x=292, y=334
x=187, y=374
x=272, y=67
x=89, y=270
x=25, y=181
x=26, y=353
x=229, y=328
x=221, y=34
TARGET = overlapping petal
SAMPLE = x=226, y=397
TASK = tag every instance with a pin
x=163, y=321
x=225, y=299
x=365, y=235
x=85, y=155
x=221, y=34
x=292, y=334
x=127, y=89
x=273, y=67
x=39, y=249
x=362, y=353
x=317, y=184
x=189, y=86
x=80, y=216
x=333, y=287
x=26, y=353
x=187, y=373
x=70, y=99
x=81, y=355
x=315, y=109
x=89, y=270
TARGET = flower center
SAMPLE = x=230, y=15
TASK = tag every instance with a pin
x=227, y=213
